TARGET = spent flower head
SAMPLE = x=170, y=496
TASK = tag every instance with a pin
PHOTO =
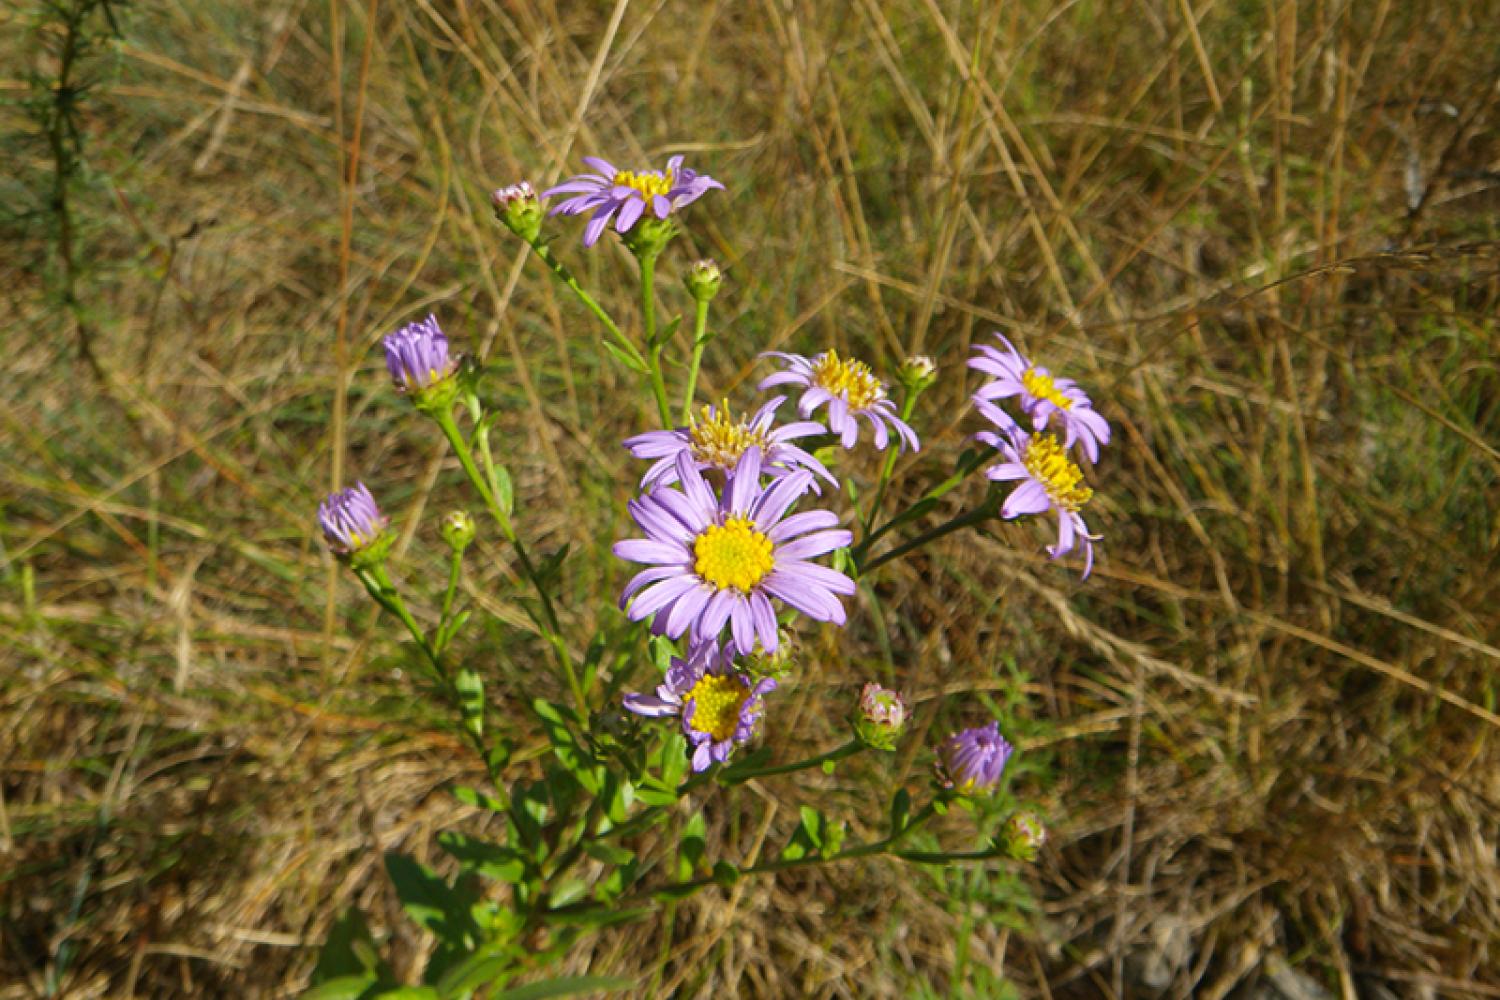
x=1049, y=479
x=972, y=761
x=717, y=559
x=720, y=706
x=353, y=525
x=520, y=210
x=1044, y=398
x=716, y=440
x=881, y=718
x=627, y=195
x=849, y=389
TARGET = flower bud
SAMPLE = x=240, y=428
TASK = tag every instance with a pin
x=917, y=372
x=703, y=279
x=1024, y=835
x=881, y=717
x=649, y=237
x=457, y=530
x=520, y=210
x=353, y=525
x=760, y=664
x=420, y=366
x=973, y=760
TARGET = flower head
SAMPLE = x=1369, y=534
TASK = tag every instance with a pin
x=1049, y=479
x=417, y=357
x=715, y=439
x=518, y=207
x=625, y=195
x=973, y=760
x=1042, y=397
x=719, y=705
x=918, y=372
x=457, y=529
x=351, y=521
x=716, y=560
x=850, y=389
x=881, y=718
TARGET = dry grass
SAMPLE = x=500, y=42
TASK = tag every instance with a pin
x=1265, y=233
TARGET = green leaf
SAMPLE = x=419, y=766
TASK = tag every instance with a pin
x=601, y=918
x=410, y=993
x=344, y=988
x=608, y=853
x=469, y=687
x=505, y=490
x=476, y=971
x=666, y=332
x=690, y=848
x=566, y=987
x=474, y=797
x=493, y=861
x=812, y=822
x=900, y=810
x=725, y=873
x=443, y=909
x=349, y=953
x=662, y=651
x=639, y=367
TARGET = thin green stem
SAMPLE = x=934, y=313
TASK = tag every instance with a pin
x=560, y=271
x=964, y=471
x=454, y=564
x=735, y=776
x=908, y=404
x=550, y=626
x=647, y=261
x=984, y=512
x=700, y=341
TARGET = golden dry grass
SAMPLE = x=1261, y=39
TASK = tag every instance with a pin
x=1264, y=234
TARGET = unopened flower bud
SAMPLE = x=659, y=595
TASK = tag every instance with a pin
x=758, y=663
x=1024, y=835
x=917, y=372
x=520, y=210
x=353, y=525
x=703, y=279
x=972, y=761
x=420, y=366
x=881, y=717
x=457, y=529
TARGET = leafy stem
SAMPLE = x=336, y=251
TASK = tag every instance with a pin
x=700, y=341
x=647, y=260
x=908, y=403
x=560, y=271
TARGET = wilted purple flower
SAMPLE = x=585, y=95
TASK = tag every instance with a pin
x=720, y=706
x=350, y=519
x=716, y=440
x=1049, y=481
x=417, y=356
x=973, y=760
x=1043, y=398
x=626, y=194
x=850, y=389
x=717, y=560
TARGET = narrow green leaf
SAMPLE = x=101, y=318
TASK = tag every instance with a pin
x=476, y=971
x=900, y=810
x=566, y=987
x=630, y=363
x=493, y=861
x=343, y=988
x=505, y=491
x=470, y=689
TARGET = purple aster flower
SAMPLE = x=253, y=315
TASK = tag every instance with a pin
x=1042, y=397
x=973, y=760
x=716, y=440
x=1049, y=481
x=417, y=356
x=850, y=389
x=350, y=519
x=717, y=560
x=720, y=706
x=625, y=195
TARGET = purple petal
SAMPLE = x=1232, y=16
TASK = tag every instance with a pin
x=1029, y=498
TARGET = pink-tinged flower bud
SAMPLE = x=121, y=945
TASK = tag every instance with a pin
x=917, y=372
x=520, y=210
x=973, y=760
x=881, y=718
x=1024, y=835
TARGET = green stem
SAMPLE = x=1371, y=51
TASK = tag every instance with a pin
x=700, y=341
x=454, y=563
x=647, y=261
x=734, y=776
x=984, y=512
x=565, y=276
x=550, y=627
x=908, y=404
x=968, y=468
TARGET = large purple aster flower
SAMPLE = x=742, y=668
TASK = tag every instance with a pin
x=417, y=356
x=850, y=389
x=625, y=195
x=1042, y=397
x=720, y=706
x=716, y=440
x=350, y=519
x=1049, y=481
x=973, y=760
x=717, y=560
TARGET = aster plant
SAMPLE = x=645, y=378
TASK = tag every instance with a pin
x=753, y=525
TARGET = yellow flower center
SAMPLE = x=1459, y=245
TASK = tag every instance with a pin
x=1040, y=385
x=852, y=379
x=717, y=700
x=719, y=439
x=1049, y=465
x=648, y=182
x=733, y=554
